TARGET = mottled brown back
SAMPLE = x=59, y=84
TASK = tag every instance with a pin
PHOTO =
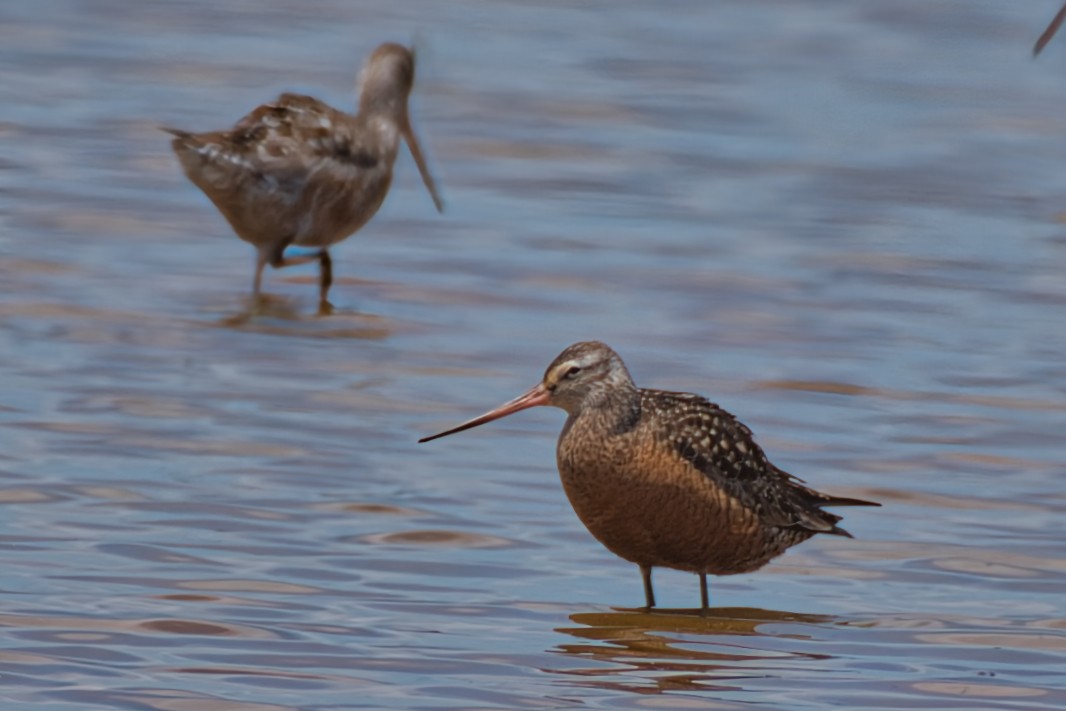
x=293, y=170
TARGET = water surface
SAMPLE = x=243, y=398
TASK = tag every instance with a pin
x=840, y=220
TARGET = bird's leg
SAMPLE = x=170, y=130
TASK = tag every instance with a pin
x=649, y=592
x=287, y=255
x=705, y=599
x=261, y=260
x=325, y=280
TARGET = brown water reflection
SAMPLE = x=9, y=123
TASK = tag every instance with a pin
x=276, y=315
x=745, y=649
x=678, y=650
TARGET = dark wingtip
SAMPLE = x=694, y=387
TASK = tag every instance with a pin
x=831, y=519
x=843, y=501
x=838, y=531
x=1040, y=44
x=1049, y=32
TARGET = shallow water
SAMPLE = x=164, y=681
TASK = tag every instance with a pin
x=841, y=220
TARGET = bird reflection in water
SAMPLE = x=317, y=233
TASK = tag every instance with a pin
x=281, y=315
x=683, y=650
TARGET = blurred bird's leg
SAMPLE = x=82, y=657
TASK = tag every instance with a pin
x=325, y=280
x=287, y=255
x=261, y=259
x=705, y=599
x=649, y=592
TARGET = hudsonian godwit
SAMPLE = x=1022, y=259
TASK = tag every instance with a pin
x=668, y=479
x=299, y=173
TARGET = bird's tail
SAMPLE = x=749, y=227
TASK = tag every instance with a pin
x=828, y=521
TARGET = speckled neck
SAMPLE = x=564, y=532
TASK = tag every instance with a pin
x=613, y=409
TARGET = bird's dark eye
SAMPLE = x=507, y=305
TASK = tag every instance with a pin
x=574, y=370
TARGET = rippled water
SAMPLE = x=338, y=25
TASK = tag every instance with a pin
x=842, y=220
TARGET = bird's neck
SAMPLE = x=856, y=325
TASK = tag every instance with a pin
x=611, y=411
x=593, y=434
x=385, y=104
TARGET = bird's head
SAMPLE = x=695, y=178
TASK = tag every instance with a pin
x=385, y=85
x=585, y=375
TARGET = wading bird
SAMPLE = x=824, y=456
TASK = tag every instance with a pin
x=299, y=173
x=668, y=479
